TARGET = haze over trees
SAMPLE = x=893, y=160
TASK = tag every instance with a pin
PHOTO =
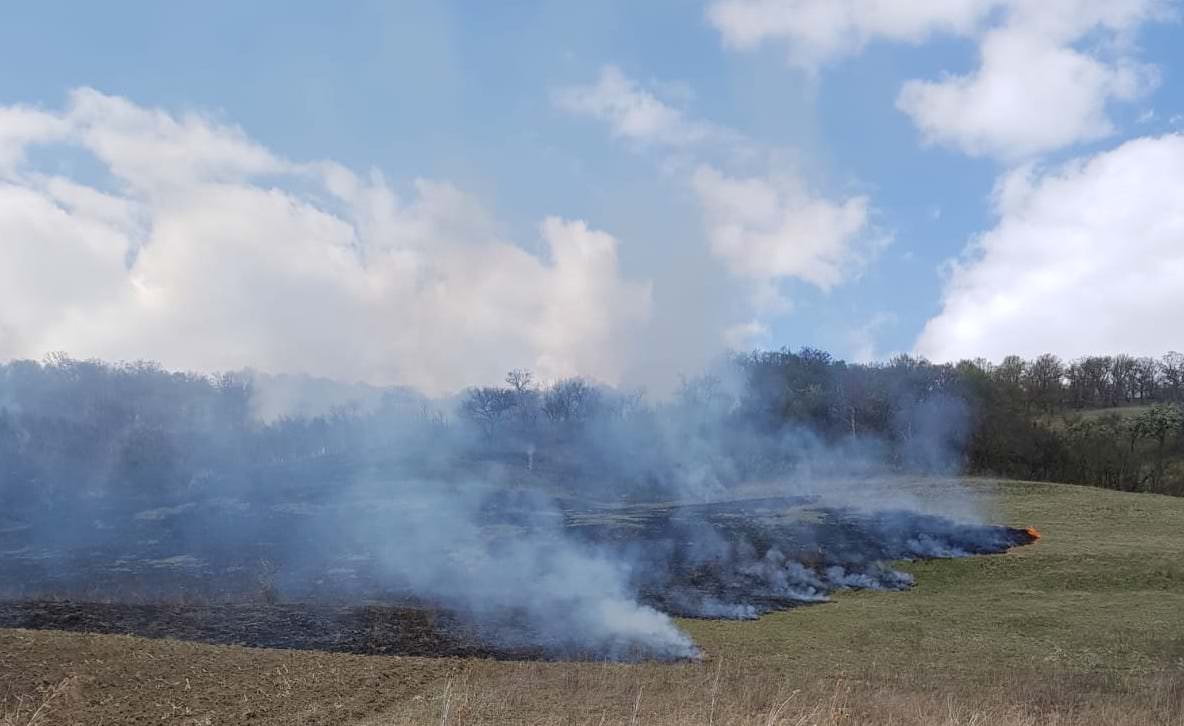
x=70, y=428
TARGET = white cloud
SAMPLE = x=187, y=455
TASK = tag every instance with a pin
x=1032, y=92
x=816, y=32
x=203, y=254
x=771, y=228
x=152, y=149
x=632, y=112
x=1085, y=258
x=766, y=227
x=1047, y=70
x=21, y=126
x=747, y=336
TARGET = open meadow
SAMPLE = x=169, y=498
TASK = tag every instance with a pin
x=1085, y=626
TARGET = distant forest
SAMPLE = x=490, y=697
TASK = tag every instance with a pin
x=71, y=428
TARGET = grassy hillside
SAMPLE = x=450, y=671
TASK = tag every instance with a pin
x=1086, y=626
x=1059, y=418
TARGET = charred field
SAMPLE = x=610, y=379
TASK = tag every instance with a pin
x=1083, y=627
x=733, y=559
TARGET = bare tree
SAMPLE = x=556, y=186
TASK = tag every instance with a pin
x=526, y=398
x=1093, y=377
x=1147, y=379
x=571, y=400
x=1122, y=371
x=1011, y=371
x=1172, y=371
x=1044, y=382
x=520, y=380
x=488, y=406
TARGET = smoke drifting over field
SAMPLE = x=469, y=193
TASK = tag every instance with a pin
x=568, y=520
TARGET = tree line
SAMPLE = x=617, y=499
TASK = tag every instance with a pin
x=70, y=428
x=1114, y=421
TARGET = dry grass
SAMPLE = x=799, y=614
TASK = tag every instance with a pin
x=539, y=695
x=121, y=680
x=41, y=707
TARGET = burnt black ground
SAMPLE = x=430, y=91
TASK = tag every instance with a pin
x=696, y=560
x=363, y=630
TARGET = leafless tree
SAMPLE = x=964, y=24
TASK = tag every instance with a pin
x=1147, y=379
x=520, y=380
x=488, y=406
x=571, y=400
x=1122, y=371
x=1172, y=371
x=1044, y=382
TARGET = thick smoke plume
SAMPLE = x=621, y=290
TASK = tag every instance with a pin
x=569, y=520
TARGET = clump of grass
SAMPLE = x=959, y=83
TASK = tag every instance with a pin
x=37, y=709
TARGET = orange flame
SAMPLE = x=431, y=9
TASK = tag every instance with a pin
x=1033, y=533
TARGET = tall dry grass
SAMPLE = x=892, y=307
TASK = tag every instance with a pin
x=711, y=694
x=38, y=709
x=715, y=695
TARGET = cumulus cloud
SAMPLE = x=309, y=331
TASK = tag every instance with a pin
x=1085, y=257
x=771, y=228
x=765, y=227
x=203, y=249
x=1034, y=91
x=21, y=126
x=1047, y=71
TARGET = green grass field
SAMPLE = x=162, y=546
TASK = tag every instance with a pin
x=1125, y=411
x=1084, y=627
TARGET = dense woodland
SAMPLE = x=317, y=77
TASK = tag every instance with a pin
x=72, y=429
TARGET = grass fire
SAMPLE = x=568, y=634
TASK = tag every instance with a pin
x=559, y=526
x=573, y=536
x=614, y=363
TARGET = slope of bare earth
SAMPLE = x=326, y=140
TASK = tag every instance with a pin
x=1085, y=627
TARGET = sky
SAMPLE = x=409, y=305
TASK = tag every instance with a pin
x=432, y=193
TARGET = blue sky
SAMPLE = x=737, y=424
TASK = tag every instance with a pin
x=768, y=95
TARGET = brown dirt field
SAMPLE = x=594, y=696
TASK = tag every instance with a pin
x=80, y=679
